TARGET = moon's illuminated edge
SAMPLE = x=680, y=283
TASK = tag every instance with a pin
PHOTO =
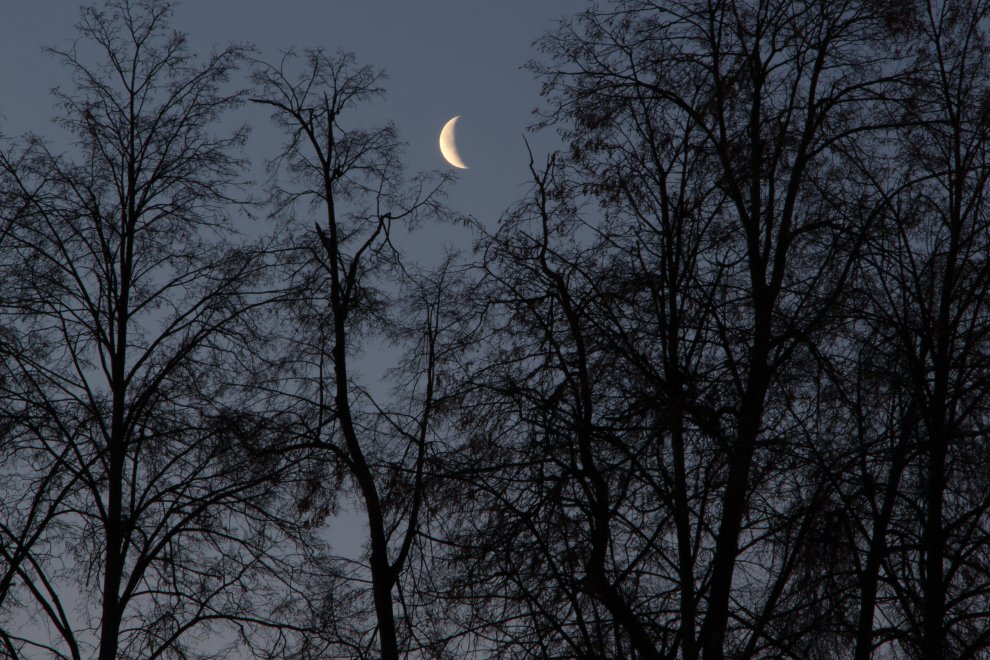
x=448, y=145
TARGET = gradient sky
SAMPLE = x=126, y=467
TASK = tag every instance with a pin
x=443, y=58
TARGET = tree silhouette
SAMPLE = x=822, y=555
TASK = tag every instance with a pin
x=142, y=461
x=926, y=297
x=715, y=386
x=679, y=339
x=346, y=273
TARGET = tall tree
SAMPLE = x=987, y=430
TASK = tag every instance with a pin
x=350, y=278
x=149, y=460
x=715, y=137
x=926, y=302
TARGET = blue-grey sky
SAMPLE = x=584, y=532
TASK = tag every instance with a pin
x=443, y=58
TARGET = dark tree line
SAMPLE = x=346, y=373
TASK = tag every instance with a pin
x=717, y=386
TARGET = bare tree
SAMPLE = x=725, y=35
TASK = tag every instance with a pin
x=139, y=464
x=350, y=278
x=717, y=386
x=926, y=299
x=667, y=357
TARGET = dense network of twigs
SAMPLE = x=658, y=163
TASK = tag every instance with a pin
x=718, y=386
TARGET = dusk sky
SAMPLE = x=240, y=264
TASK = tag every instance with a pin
x=442, y=57
x=716, y=384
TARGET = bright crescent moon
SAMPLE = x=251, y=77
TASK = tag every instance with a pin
x=448, y=146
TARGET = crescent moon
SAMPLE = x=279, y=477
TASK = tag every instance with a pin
x=448, y=146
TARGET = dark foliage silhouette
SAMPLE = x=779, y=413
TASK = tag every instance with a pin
x=716, y=386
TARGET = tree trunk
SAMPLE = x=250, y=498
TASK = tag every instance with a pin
x=933, y=584
x=876, y=552
x=733, y=511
